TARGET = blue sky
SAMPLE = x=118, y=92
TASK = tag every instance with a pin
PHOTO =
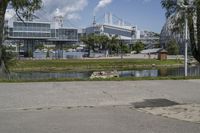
x=145, y=14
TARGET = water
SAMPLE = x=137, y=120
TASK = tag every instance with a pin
x=193, y=71
x=49, y=75
x=164, y=72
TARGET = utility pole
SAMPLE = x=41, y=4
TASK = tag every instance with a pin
x=121, y=47
x=186, y=44
x=181, y=4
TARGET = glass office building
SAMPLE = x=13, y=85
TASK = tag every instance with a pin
x=29, y=34
x=30, y=30
x=64, y=34
x=40, y=31
x=33, y=32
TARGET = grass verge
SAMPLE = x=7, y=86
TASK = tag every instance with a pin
x=91, y=64
x=110, y=79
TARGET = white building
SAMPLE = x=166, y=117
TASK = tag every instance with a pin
x=125, y=32
x=35, y=31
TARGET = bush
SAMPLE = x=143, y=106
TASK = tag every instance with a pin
x=138, y=47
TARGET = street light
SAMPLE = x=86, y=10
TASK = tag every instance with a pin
x=181, y=4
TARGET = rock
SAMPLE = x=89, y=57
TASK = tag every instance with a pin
x=104, y=74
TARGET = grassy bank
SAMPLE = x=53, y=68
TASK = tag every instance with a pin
x=111, y=79
x=91, y=64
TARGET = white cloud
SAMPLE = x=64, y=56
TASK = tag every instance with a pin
x=102, y=4
x=68, y=8
x=74, y=16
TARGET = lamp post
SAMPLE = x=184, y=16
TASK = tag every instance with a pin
x=186, y=44
x=185, y=8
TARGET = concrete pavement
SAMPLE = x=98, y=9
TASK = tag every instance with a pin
x=94, y=107
x=33, y=95
x=118, y=119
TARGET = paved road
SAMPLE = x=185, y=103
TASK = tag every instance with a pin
x=86, y=107
x=90, y=120
x=33, y=95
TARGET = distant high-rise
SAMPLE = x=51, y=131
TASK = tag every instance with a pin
x=58, y=19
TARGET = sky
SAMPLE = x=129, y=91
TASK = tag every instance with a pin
x=146, y=14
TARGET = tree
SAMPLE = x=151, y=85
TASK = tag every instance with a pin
x=193, y=16
x=109, y=44
x=89, y=40
x=172, y=47
x=104, y=42
x=23, y=9
x=8, y=59
x=170, y=6
x=39, y=46
x=125, y=48
x=138, y=47
x=113, y=44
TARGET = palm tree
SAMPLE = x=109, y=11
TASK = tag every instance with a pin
x=170, y=6
x=86, y=40
x=91, y=42
x=113, y=43
x=193, y=15
x=104, y=42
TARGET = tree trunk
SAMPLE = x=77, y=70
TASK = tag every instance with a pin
x=197, y=46
x=89, y=50
x=195, y=38
x=3, y=6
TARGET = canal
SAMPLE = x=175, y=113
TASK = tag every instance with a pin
x=153, y=72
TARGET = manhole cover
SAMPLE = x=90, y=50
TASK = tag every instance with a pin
x=154, y=103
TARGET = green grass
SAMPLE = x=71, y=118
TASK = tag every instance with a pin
x=90, y=64
x=93, y=64
x=111, y=79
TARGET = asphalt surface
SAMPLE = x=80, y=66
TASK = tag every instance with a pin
x=92, y=107
x=90, y=120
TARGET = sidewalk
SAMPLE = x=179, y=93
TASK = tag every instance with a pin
x=30, y=95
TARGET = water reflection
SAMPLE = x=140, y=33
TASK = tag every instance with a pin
x=192, y=71
x=139, y=73
x=49, y=75
x=163, y=72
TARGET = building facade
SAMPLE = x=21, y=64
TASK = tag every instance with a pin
x=34, y=32
x=125, y=32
